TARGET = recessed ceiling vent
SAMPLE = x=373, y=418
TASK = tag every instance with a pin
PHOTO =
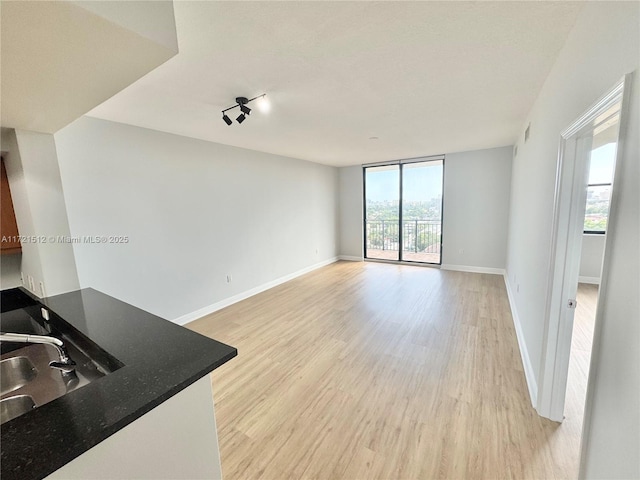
x=526, y=133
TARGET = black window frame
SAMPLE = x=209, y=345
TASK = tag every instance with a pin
x=599, y=232
x=401, y=163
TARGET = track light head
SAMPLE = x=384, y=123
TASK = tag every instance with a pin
x=241, y=103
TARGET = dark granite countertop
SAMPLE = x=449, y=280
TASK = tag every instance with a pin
x=160, y=359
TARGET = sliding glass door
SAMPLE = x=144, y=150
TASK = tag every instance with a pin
x=403, y=211
x=422, y=211
x=382, y=212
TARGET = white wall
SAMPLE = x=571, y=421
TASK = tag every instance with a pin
x=351, y=213
x=601, y=48
x=30, y=257
x=612, y=438
x=38, y=200
x=591, y=258
x=10, y=271
x=48, y=212
x=476, y=209
x=194, y=211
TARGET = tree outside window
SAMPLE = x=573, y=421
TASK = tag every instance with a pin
x=599, y=189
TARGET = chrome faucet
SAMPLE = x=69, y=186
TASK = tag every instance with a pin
x=65, y=364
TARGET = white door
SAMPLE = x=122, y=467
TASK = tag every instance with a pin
x=578, y=144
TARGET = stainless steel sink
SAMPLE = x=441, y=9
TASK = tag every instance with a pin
x=28, y=381
x=34, y=373
x=12, y=407
x=15, y=372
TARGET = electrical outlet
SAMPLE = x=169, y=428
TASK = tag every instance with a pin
x=31, y=285
x=45, y=313
x=42, y=289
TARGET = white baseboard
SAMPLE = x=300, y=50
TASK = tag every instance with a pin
x=526, y=359
x=350, y=258
x=592, y=280
x=471, y=269
x=189, y=317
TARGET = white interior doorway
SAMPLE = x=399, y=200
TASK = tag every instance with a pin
x=580, y=147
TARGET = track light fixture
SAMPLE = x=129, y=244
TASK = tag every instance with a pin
x=241, y=103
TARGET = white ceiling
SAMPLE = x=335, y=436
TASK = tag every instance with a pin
x=424, y=77
x=59, y=59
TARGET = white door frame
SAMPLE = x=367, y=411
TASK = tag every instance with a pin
x=568, y=226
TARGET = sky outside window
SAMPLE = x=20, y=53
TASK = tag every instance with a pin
x=423, y=182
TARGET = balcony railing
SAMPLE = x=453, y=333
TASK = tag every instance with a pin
x=418, y=236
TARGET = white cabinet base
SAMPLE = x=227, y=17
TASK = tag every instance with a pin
x=175, y=440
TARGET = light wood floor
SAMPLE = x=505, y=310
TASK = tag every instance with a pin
x=406, y=256
x=373, y=371
x=580, y=359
